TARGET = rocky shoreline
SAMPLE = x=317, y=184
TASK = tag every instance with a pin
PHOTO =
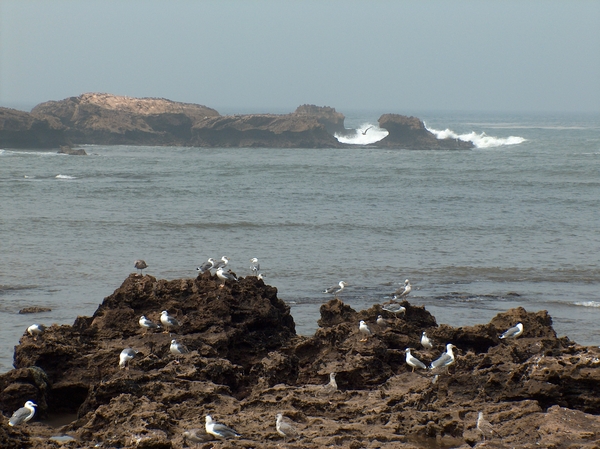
x=247, y=364
x=106, y=119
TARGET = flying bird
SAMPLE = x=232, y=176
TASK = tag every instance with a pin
x=445, y=360
x=219, y=430
x=23, y=414
x=140, y=265
x=426, y=342
x=35, y=330
x=364, y=329
x=168, y=321
x=126, y=356
x=364, y=133
x=513, y=332
x=413, y=361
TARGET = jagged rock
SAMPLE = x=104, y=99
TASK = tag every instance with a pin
x=20, y=129
x=34, y=309
x=410, y=133
x=246, y=364
x=65, y=149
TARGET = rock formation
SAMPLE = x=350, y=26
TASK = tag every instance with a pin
x=20, y=129
x=247, y=364
x=106, y=119
x=410, y=133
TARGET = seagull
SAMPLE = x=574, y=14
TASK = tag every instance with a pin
x=403, y=291
x=381, y=322
x=335, y=290
x=255, y=267
x=221, y=263
x=394, y=308
x=364, y=329
x=146, y=324
x=364, y=133
x=23, y=414
x=426, y=342
x=168, y=321
x=219, y=430
x=140, y=265
x=513, y=332
x=225, y=276
x=206, y=266
x=445, y=360
x=126, y=355
x=284, y=428
x=484, y=427
x=413, y=361
x=260, y=276
x=195, y=436
x=332, y=384
x=35, y=330
x=178, y=348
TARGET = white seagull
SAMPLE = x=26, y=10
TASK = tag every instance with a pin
x=364, y=329
x=23, y=414
x=140, y=265
x=331, y=386
x=147, y=324
x=403, y=291
x=221, y=263
x=219, y=430
x=446, y=359
x=168, y=321
x=413, y=361
x=395, y=309
x=35, y=330
x=125, y=357
x=426, y=342
x=178, y=349
x=225, y=276
x=206, y=266
x=255, y=267
x=336, y=288
x=513, y=332
x=484, y=427
x=284, y=428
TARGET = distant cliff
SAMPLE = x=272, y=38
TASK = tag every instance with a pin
x=106, y=119
x=20, y=129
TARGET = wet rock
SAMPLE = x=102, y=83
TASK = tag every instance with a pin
x=34, y=309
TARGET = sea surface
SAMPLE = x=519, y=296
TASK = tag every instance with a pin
x=512, y=222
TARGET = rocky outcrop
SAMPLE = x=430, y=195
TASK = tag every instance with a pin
x=20, y=129
x=106, y=119
x=246, y=364
x=264, y=130
x=410, y=133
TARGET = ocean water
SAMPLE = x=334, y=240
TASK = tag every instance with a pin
x=513, y=222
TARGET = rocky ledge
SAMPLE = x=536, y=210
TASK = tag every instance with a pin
x=106, y=119
x=246, y=364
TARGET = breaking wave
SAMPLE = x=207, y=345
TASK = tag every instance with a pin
x=365, y=134
x=65, y=177
x=481, y=140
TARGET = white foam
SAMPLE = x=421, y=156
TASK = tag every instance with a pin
x=366, y=134
x=481, y=140
x=65, y=177
x=588, y=303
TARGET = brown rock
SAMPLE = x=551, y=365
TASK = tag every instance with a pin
x=20, y=129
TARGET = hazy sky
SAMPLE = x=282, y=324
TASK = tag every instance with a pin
x=390, y=56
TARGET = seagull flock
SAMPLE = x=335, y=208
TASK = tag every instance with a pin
x=284, y=427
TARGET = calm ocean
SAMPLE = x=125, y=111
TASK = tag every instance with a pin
x=514, y=222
